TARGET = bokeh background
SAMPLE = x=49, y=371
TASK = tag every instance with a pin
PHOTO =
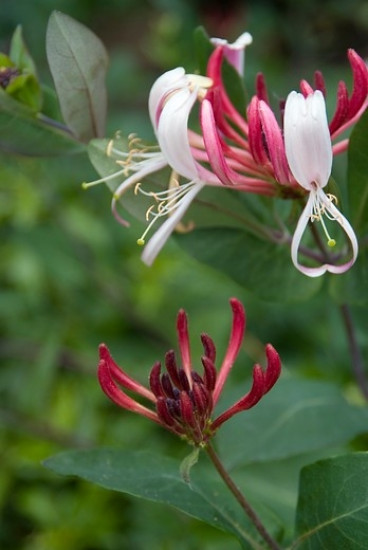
x=70, y=277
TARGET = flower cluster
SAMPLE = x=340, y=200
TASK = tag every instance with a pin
x=182, y=400
x=249, y=152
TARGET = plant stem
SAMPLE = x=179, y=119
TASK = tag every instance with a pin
x=252, y=515
x=356, y=355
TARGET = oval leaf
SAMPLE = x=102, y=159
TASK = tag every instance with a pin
x=333, y=504
x=78, y=62
x=157, y=478
x=297, y=416
x=22, y=132
x=261, y=267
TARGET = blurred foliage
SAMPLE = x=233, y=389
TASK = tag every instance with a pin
x=70, y=277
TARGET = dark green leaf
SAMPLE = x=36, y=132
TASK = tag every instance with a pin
x=358, y=175
x=261, y=267
x=332, y=510
x=78, y=63
x=347, y=287
x=203, y=48
x=297, y=416
x=22, y=132
x=158, y=478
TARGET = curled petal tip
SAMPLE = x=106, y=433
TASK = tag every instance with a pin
x=273, y=370
x=237, y=306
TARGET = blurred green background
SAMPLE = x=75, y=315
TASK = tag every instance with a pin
x=71, y=277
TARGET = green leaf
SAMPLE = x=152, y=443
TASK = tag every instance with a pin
x=19, y=53
x=358, y=175
x=203, y=48
x=5, y=61
x=26, y=89
x=297, y=416
x=22, y=132
x=333, y=504
x=158, y=478
x=261, y=267
x=348, y=288
x=78, y=63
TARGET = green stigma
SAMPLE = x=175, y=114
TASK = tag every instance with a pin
x=331, y=243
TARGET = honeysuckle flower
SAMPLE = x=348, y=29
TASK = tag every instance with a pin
x=240, y=151
x=309, y=154
x=181, y=399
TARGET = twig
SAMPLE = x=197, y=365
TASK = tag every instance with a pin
x=252, y=515
x=356, y=355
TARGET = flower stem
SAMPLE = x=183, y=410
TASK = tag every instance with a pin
x=252, y=515
x=356, y=355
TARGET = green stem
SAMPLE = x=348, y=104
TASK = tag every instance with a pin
x=356, y=355
x=252, y=515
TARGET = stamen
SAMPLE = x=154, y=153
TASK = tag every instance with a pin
x=320, y=210
x=168, y=200
x=87, y=185
x=330, y=241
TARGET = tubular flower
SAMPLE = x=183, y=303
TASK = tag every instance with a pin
x=309, y=154
x=264, y=131
x=199, y=158
x=180, y=399
x=241, y=151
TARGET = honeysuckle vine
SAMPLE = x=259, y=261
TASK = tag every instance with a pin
x=183, y=401
x=249, y=152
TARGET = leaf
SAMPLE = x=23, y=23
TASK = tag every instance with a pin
x=203, y=48
x=158, y=478
x=348, y=287
x=19, y=53
x=332, y=509
x=25, y=88
x=22, y=132
x=23, y=85
x=261, y=267
x=78, y=63
x=297, y=416
x=358, y=175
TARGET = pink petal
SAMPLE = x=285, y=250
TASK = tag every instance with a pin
x=235, y=342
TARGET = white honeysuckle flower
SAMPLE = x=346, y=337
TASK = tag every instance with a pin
x=234, y=52
x=309, y=153
x=171, y=100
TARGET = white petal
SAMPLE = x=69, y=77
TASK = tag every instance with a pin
x=158, y=240
x=172, y=133
x=166, y=83
x=234, y=52
x=307, y=139
x=301, y=226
